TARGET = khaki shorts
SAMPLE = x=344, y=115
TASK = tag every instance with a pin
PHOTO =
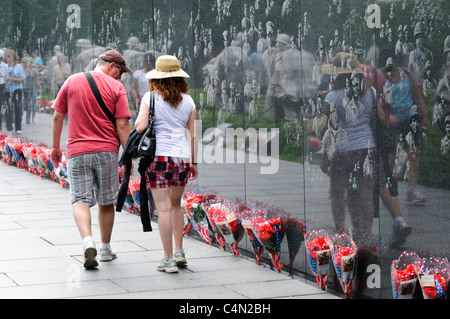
x=93, y=178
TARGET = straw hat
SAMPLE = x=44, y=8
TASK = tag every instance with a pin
x=343, y=63
x=167, y=66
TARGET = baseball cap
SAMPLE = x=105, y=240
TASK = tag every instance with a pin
x=117, y=58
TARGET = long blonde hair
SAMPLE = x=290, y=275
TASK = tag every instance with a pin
x=13, y=53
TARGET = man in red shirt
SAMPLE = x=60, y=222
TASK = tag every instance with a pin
x=92, y=148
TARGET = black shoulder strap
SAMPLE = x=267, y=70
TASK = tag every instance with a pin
x=151, y=117
x=99, y=98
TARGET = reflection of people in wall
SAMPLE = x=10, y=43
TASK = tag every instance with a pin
x=14, y=91
x=445, y=142
x=61, y=72
x=354, y=108
x=3, y=76
x=419, y=56
x=405, y=95
x=320, y=59
x=284, y=90
x=255, y=57
x=429, y=83
x=349, y=156
x=334, y=137
x=30, y=89
x=268, y=58
x=442, y=99
x=140, y=82
x=412, y=138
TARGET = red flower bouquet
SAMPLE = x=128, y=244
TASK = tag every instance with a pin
x=434, y=275
x=344, y=253
x=268, y=233
x=14, y=152
x=227, y=224
x=29, y=151
x=61, y=174
x=246, y=217
x=219, y=237
x=187, y=222
x=133, y=187
x=194, y=190
x=3, y=146
x=403, y=275
x=44, y=163
x=195, y=209
x=318, y=252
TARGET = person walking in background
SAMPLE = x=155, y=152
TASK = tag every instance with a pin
x=406, y=101
x=3, y=76
x=92, y=148
x=14, y=91
x=140, y=82
x=61, y=72
x=30, y=88
x=175, y=157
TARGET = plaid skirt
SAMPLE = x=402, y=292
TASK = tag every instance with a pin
x=166, y=171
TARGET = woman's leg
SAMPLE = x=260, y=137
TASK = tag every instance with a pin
x=9, y=111
x=18, y=109
x=162, y=199
x=177, y=216
x=27, y=98
x=33, y=105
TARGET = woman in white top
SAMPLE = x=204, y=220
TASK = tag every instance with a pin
x=175, y=156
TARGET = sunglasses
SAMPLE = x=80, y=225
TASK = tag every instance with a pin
x=119, y=68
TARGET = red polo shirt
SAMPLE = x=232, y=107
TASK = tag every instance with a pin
x=89, y=130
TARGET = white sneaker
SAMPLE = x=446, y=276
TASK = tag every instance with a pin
x=169, y=267
x=106, y=254
x=180, y=258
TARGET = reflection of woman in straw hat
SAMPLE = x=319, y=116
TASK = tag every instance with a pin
x=175, y=157
x=349, y=156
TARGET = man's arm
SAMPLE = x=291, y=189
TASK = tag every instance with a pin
x=57, y=125
x=123, y=130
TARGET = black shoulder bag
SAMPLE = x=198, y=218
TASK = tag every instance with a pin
x=141, y=146
x=147, y=141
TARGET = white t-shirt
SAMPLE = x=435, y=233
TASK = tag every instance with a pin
x=143, y=82
x=170, y=126
x=4, y=72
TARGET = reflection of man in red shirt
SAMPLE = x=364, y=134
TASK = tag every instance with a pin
x=92, y=147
